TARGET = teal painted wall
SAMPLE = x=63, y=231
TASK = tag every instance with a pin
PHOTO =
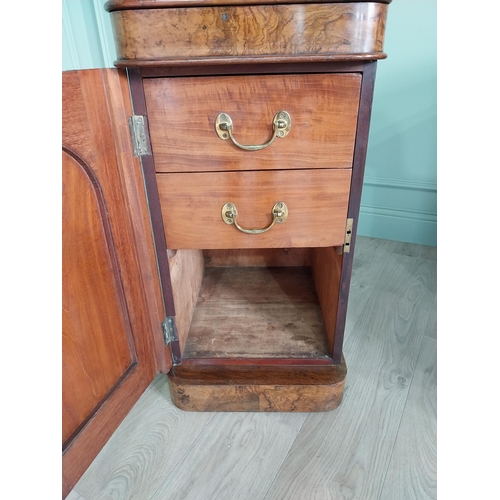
x=87, y=35
x=399, y=192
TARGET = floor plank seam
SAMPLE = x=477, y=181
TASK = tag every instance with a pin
x=174, y=467
x=389, y=458
x=284, y=460
x=348, y=332
x=78, y=493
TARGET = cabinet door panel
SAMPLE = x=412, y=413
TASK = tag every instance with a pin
x=96, y=326
x=112, y=306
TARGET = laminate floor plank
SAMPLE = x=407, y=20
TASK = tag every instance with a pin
x=431, y=328
x=345, y=454
x=73, y=495
x=419, y=251
x=144, y=449
x=237, y=457
x=412, y=469
x=370, y=258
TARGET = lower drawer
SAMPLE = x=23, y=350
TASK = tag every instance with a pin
x=192, y=208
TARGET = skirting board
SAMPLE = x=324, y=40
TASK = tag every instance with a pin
x=398, y=225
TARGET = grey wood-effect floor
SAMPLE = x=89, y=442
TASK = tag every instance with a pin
x=379, y=444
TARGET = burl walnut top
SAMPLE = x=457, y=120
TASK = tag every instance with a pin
x=155, y=4
x=165, y=32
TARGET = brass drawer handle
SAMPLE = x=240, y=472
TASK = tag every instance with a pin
x=281, y=126
x=279, y=213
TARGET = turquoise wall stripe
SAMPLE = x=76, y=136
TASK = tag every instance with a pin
x=69, y=51
x=105, y=30
x=400, y=191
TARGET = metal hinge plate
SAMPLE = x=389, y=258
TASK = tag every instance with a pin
x=139, y=135
x=348, y=234
x=169, y=332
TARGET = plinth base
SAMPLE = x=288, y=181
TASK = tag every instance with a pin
x=205, y=387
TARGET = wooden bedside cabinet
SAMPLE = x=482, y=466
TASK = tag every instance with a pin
x=239, y=193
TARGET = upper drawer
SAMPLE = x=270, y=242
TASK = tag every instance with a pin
x=182, y=113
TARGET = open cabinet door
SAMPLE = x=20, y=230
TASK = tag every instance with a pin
x=112, y=303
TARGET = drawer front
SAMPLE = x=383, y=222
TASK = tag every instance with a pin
x=316, y=201
x=182, y=114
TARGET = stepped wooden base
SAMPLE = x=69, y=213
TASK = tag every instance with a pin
x=256, y=388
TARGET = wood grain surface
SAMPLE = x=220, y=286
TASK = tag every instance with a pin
x=153, y=202
x=138, y=204
x=258, y=398
x=255, y=313
x=249, y=374
x=316, y=200
x=156, y=435
x=95, y=108
x=182, y=113
x=258, y=257
x=256, y=30
x=412, y=470
x=74, y=496
x=186, y=272
x=326, y=268
x=149, y=4
x=95, y=352
x=249, y=66
x=245, y=446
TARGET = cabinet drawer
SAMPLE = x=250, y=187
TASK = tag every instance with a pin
x=182, y=113
x=316, y=201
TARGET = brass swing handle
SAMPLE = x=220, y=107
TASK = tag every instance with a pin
x=279, y=213
x=281, y=126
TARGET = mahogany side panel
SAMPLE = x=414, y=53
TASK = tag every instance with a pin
x=358, y=171
x=259, y=257
x=186, y=273
x=182, y=113
x=280, y=31
x=95, y=107
x=138, y=213
x=327, y=269
x=148, y=167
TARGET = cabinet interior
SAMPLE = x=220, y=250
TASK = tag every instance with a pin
x=256, y=303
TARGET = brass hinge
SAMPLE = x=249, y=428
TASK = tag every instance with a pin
x=139, y=135
x=348, y=234
x=169, y=331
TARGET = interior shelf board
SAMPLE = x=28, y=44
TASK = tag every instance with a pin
x=257, y=312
